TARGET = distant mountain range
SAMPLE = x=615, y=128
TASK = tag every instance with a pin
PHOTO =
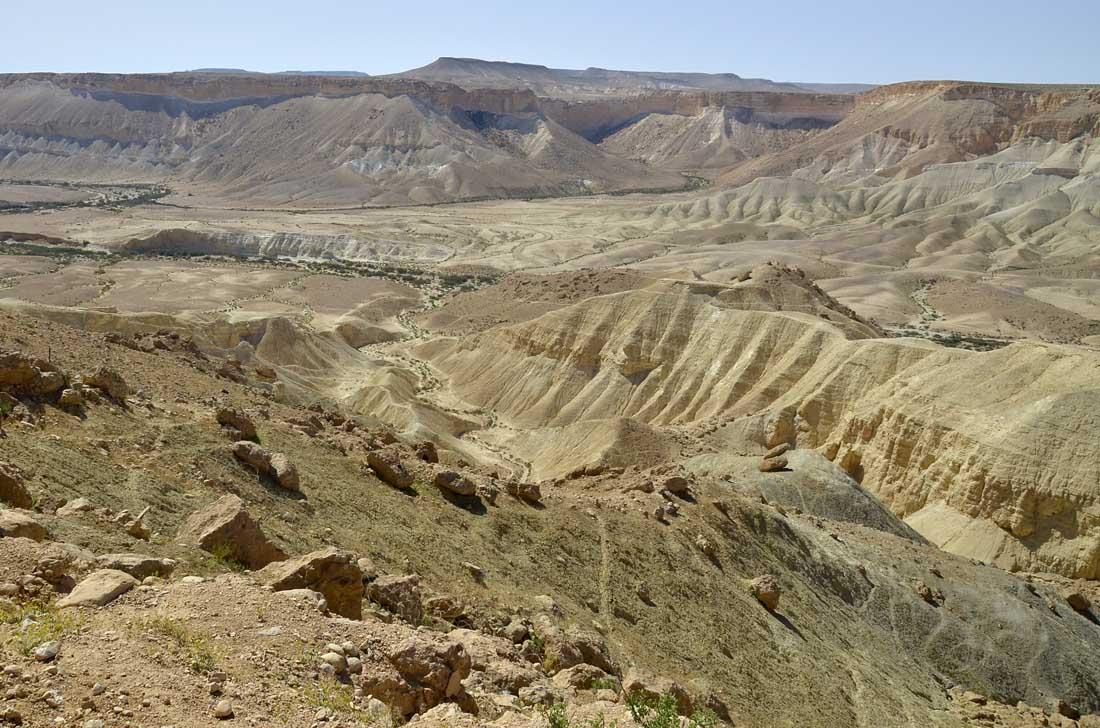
x=545, y=81
x=243, y=72
x=474, y=73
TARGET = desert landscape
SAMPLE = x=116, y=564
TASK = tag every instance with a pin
x=496, y=395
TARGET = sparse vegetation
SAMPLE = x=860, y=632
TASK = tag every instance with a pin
x=331, y=695
x=557, y=717
x=221, y=559
x=36, y=623
x=663, y=712
x=200, y=655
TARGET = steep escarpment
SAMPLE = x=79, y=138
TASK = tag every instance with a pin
x=379, y=144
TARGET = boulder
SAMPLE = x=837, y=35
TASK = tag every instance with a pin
x=676, y=484
x=1078, y=601
x=138, y=566
x=387, y=466
x=276, y=465
x=99, y=589
x=21, y=524
x=285, y=472
x=400, y=595
x=771, y=465
x=226, y=527
x=237, y=422
x=766, y=590
x=777, y=451
x=12, y=490
x=423, y=671
x=24, y=375
x=529, y=492
x=582, y=677
x=109, y=382
x=564, y=649
x=454, y=482
x=75, y=507
x=503, y=666
x=71, y=398
x=330, y=571
x=653, y=688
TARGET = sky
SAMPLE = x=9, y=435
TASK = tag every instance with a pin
x=789, y=40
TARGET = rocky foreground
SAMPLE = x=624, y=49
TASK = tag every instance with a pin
x=179, y=549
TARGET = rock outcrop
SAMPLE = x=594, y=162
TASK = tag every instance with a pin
x=13, y=491
x=226, y=528
x=331, y=572
x=273, y=464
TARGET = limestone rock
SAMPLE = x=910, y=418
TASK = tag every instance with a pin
x=109, y=382
x=71, y=399
x=12, y=490
x=75, y=507
x=528, y=492
x=777, y=451
x=422, y=673
x=766, y=590
x=99, y=589
x=138, y=566
x=1077, y=600
x=276, y=465
x=771, y=465
x=400, y=595
x=454, y=482
x=225, y=526
x=237, y=422
x=331, y=571
x=387, y=465
x=21, y=524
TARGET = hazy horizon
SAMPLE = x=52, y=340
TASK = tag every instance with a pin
x=852, y=42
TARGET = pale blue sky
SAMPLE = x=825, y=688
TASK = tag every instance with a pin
x=788, y=40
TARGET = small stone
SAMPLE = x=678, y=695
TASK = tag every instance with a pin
x=355, y=665
x=771, y=465
x=223, y=710
x=766, y=590
x=47, y=651
x=338, y=662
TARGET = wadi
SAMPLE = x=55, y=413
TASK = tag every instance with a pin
x=496, y=395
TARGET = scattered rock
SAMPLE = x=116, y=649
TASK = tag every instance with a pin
x=237, y=422
x=223, y=710
x=276, y=465
x=928, y=594
x=21, y=524
x=422, y=673
x=529, y=492
x=1078, y=601
x=331, y=571
x=137, y=565
x=71, y=399
x=226, y=527
x=771, y=465
x=766, y=590
x=386, y=464
x=12, y=490
x=47, y=651
x=75, y=507
x=400, y=595
x=99, y=589
x=454, y=482
x=109, y=382
x=777, y=451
